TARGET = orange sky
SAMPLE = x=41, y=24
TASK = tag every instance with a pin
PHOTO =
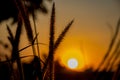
x=89, y=33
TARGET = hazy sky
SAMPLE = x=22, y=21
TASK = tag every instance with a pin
x=89, y=33
x=90, y=30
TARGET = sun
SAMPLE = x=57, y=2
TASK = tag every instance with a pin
x=72, y=59
x=72, y=63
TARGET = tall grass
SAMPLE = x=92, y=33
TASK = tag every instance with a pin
x=53, y=45
x=15, y=47
x=24, y=16
x=62, y=35
x=111, y=45
x=48, y=66
x=23, y=19
x=110, y=59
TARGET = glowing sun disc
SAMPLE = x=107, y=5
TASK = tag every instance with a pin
x=72, y=63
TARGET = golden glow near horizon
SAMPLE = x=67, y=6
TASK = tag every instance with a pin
x=88, y=29
x=73, y=59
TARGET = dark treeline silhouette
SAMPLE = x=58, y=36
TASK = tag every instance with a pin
x=30, y=70
x=62, y=73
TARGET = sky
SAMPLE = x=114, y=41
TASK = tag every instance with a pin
x=90, y=32
x=88, y=37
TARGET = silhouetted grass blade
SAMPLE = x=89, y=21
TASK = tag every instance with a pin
x=62, y=35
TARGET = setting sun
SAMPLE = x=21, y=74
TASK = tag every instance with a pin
x=72, y=63
x=72, y=59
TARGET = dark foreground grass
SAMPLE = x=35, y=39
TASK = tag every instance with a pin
x=34, y=70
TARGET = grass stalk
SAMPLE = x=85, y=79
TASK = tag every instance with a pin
x=112, y=55
x=62, y=35
x=36, y=34
x=25, y=18
x=15, y=49
x=49, y=60
x=10, y=37
x=110, y=46
x=15, y=44
x=51, y=43
x=40, y=76
x=114, y=60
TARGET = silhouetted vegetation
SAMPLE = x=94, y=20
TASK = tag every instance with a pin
x=9, y=10
x=109, y=61
x=37, y=69
x=34, y=69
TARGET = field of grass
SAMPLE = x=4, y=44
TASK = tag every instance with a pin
x=13, y=69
